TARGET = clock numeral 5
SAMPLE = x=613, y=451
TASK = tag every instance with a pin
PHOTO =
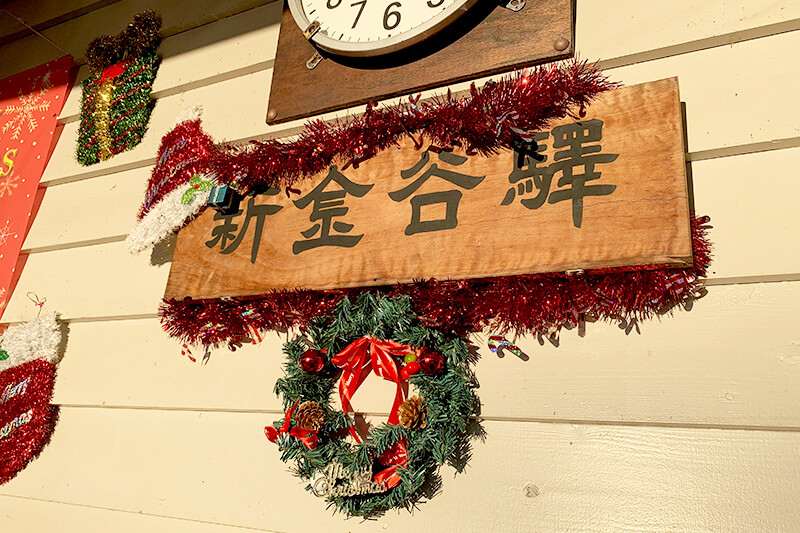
x=435, y=3
x=395, y=15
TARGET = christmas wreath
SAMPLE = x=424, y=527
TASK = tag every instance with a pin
x=393, y=464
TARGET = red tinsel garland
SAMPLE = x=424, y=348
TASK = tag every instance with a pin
x=536, y=304
x=26, y=417
x=485, y=122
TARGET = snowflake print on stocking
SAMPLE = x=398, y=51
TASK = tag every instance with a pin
x=22, y=114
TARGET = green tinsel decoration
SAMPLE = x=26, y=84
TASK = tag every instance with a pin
x=449, y=397
x=115, y=110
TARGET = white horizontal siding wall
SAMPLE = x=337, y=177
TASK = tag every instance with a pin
x=693, y=424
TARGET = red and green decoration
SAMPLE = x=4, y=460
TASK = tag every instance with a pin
x=179, y=186
x=374, y=337
x=116, y=104
x=28, y=357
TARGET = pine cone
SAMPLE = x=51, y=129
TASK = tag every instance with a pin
x=309, y=415
x=412, y=413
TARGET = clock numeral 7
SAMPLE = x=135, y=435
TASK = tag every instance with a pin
x=361, y=10
x=389, y=13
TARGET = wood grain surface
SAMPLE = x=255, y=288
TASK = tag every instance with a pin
x=496, y=40
x=641, y=218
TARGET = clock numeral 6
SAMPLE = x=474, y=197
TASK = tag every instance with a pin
x=435, y=3
x=334, y=3
x=389, y=14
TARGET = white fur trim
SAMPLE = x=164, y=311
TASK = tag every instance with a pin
x=37, y=339
x=166, y=217
x=190, y=113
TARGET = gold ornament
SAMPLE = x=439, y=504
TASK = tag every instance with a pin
x=412, y=413
x=310, y=415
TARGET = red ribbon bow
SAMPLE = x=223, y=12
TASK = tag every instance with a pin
x=309, y=437
x=393, y=458
x=353, y=360
x=114, y=70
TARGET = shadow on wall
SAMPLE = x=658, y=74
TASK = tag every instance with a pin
x=176, y=21
x=163, y=251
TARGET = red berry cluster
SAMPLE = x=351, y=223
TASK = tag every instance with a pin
x=429, y=361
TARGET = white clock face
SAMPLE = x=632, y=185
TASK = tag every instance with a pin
x=374, y=27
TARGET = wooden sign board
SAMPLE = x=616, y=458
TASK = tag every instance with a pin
x=611, y=192
x=490, y=39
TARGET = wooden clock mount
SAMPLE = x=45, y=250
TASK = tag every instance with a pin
x=488, y=39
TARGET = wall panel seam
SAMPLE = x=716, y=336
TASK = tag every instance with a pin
x=701, y=155
x=699, y=45
x=515, y=420
x=141, y=513
x=194, y=84
x=55, y=21
x=165, y=33
x=605, y=64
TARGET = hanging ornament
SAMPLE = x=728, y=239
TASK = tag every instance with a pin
x=498, y=342
x=391, y=465
x=27, y=377
x=431, y=362
x=180, y=185
x=115, y=106
x=312, y=361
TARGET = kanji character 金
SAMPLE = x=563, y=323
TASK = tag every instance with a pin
x=327, y=206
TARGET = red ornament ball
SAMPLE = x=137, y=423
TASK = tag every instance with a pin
x=312, y=361
x=409, y=370
x=431, y=362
